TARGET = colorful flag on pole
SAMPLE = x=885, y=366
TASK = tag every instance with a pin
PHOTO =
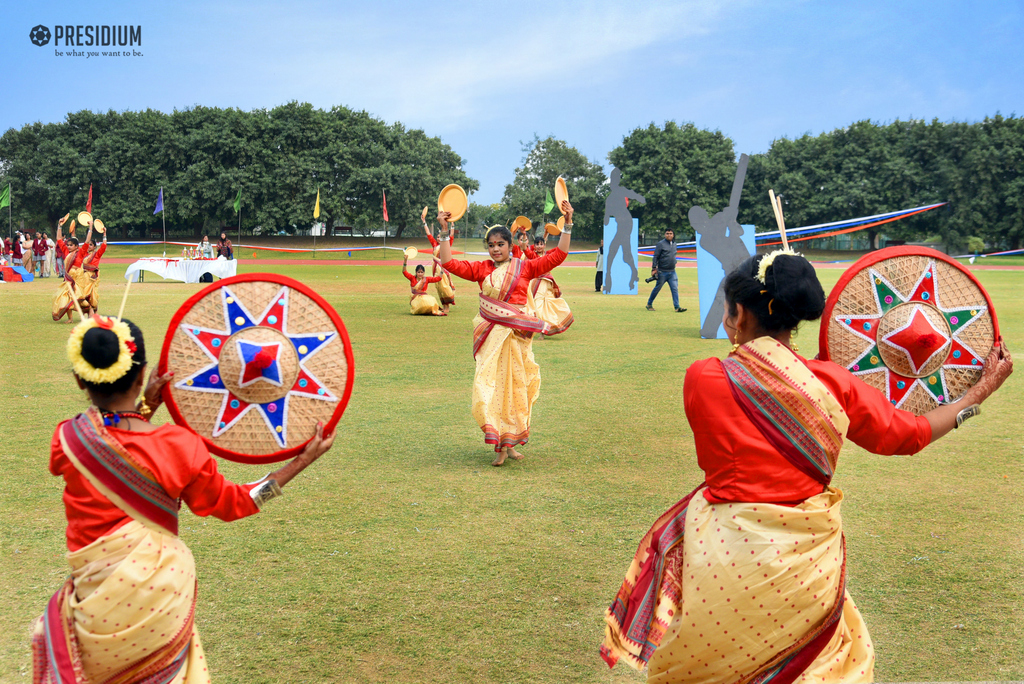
x=5, y=197
x=316, y=209
x=159, y=202
x=88, y=203
x=549, y=203
x=385, y=195
x=238, y=202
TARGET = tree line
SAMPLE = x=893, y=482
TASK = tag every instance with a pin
x=861, y=170
x=203, y=156
x=279, y=157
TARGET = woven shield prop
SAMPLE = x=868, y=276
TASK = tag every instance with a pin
x=258, y=360
x=912, y=323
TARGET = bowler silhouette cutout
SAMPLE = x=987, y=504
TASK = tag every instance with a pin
x=617, y=207
x=720, y=236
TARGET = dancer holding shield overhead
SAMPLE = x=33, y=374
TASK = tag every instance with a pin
x=127, y=612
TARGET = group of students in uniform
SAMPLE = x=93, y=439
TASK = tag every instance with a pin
x=519, y=299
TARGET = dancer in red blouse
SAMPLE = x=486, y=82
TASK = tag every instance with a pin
x=74, y=277
x=507, y=379
x=89, y=294
x=744, y=580
x=445, y=287
x=548, y=304
x=128, y=608
x=420, y=303
x=523, y=250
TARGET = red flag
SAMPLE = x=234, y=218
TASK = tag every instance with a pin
x=385, y=195
x=88, y=204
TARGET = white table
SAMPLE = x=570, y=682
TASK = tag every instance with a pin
x=185, y=270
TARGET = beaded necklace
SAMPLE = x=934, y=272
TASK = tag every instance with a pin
x=113, y=418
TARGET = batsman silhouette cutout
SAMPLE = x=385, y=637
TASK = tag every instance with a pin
x=617, y=206
x=720, y=235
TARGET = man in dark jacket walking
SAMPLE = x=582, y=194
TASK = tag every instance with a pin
x=663, y=267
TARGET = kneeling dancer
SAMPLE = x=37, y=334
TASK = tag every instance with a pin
x=127, y=612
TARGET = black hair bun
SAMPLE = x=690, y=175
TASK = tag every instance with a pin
x=100, y=347
x=798, y=295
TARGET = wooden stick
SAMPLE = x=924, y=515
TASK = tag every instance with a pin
x=782, y=225
x=777, y=209
x=124, y=300
x=74, y=300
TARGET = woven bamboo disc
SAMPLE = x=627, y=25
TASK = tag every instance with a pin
x=258, y=361
x=453, y=199
x=912, y=323
x=522, y=224
x=561, y=192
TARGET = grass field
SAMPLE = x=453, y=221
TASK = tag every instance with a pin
x=403, y=556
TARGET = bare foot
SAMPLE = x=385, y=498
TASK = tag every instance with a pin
x=499, y=460
x=513, y=454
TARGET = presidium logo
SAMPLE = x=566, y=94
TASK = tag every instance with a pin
x=89, y=36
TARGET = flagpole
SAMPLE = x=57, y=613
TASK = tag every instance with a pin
x=163, y=216
x=10, y=222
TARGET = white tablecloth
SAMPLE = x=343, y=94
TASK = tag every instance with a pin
x=185, y=270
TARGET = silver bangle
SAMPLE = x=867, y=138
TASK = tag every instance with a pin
x=265, y=492
x=969, y=412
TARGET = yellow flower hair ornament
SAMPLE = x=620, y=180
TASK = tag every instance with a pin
x=126, y=347
x=768, y=259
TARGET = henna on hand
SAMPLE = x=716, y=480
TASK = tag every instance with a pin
x=998, y=367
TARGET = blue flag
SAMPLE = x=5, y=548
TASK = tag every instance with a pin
x=159, y=202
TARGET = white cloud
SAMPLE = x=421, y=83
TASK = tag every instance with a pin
x=448, y=70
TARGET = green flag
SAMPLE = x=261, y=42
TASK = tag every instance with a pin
x=5, y=197
x=549, y=203
x=238, y=202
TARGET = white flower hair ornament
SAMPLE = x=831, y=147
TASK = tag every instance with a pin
x=768, y=259
x=126, y=348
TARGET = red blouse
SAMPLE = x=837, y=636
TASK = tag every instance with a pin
x=478, y=270
x=434, y=242
x=94, y=260
x=182, y=465
x=740, y=465
x=529, y=253
x=79, y=256
x=413, y=279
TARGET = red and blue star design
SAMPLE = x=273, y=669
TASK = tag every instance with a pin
x=260, y=363
x=918, y=340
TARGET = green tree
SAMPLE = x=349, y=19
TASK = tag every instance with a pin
x=202, y=157
x=545, y=161
x=675, y=168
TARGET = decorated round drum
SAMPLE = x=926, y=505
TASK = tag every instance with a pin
x=258, y=360
x=912, y=323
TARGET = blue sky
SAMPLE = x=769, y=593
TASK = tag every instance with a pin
x=485, y=76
